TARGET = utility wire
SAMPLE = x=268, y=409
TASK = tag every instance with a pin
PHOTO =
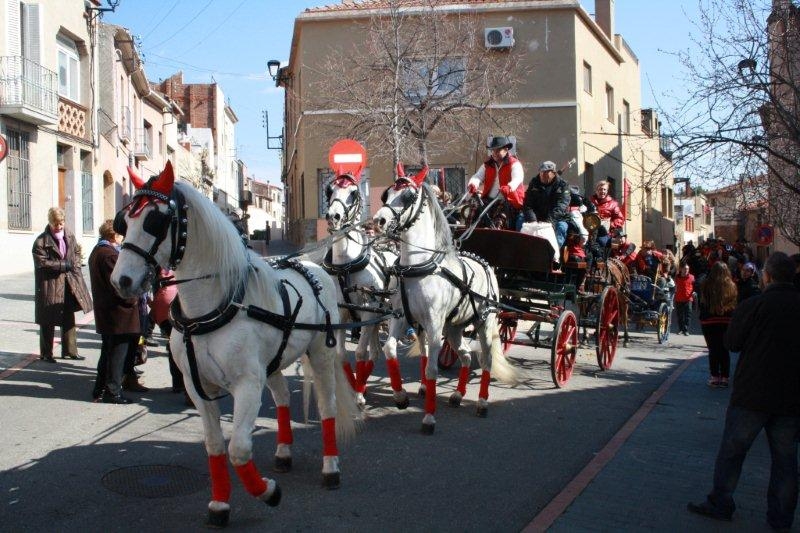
x=174, y=5
x=205, y=69
x=179, y=30
x=209, y=34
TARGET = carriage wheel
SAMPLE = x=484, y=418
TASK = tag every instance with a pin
x=508, y=330
x=607, y=327
x=663, y=323
x=564, y=349
x=447, y=357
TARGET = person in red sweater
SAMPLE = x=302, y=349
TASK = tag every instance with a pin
x=684, y=289
x=607, y=207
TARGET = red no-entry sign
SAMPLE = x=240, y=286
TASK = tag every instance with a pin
x=3, y=148
x=347, y=157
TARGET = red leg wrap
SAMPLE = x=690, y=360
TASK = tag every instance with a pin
x=348, y=371
x=361, y=376
x=220, y=478
x=329, y=437
x=393, y=367
x=430, y=396
x=369, y=366
x=423, y=363
x=251, y=479
x=463, y=379
x=284, y=425
x=484, y=390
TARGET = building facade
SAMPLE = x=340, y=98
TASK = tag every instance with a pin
x=48, y=86
x=580, y=99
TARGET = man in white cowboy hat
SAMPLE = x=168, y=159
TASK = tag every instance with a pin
x=501, y=173
x=547, y=200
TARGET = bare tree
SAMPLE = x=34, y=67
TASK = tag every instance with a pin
x=741, y=117
x=420, y=79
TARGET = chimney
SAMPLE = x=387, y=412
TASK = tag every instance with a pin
x=604, y=16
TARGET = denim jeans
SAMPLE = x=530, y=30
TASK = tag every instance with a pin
x=561, y=232
x=742, y=426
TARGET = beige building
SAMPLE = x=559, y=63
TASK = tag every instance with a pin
x=47, y=117
x=694, y=219
x=581, y=99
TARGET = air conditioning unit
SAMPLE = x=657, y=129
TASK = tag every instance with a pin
x=499, y=38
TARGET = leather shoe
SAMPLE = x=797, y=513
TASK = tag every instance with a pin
x=710, y=510
x=131, y=384
x=47, y=358
x=72, y=356
x=119, y=399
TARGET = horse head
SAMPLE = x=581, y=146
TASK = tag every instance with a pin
x=399, y=201
x=344, y=202
x=147, y=222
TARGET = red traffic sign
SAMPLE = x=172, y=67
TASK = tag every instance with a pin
x=765, y=234
x=347, y=157
x=3, y=148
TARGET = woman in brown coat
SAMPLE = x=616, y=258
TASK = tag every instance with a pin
x=60, y=289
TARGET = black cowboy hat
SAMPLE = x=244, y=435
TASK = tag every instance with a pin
x=499, y=142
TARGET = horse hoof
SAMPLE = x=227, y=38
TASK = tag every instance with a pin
x=331, y=481
x=275, y=499
x=455, y=400
x=427, y=429
x=482, y=412
x=218, y=519
x=403, y=404
x=283, y=464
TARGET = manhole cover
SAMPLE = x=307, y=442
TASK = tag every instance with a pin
x=154, y=481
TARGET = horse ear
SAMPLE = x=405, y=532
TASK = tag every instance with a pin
x=401, y=173
x=420, y=177
x=165, y=180
x=138, y=183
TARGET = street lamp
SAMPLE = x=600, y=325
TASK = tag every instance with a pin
x=274, y=68
x=747, y=70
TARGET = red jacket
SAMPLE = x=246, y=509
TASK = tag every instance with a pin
x=609, y=208
x=163, y=298
x=515, y=198
x=684, y=287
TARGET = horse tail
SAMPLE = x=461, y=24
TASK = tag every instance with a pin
x=348, y=415
x=502, y=368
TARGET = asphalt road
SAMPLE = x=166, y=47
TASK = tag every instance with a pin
x=65, y=460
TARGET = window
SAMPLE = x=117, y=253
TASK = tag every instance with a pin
x=626, y=117
x=19, y=180
x=666, y=202
x=69, y=78
x=688, y=224
x=648, y=204
x=610, y=103
x=612, y=187
x=587, y=77
x=588, y=179
x=87, y=192
x=325, y=176
x=443, y=80
x=626, y=194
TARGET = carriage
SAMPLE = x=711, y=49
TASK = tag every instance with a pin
x=650, y=304
x=530, y=290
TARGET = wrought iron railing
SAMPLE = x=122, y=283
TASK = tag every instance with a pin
x=25, y=82
x=143, y=143
x=87, y=203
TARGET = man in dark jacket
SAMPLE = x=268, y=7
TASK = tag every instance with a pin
x=766, y=394
x=59, y=286
x=116, y=319
x=547, y=200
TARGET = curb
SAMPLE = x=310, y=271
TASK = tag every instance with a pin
x=574, y=488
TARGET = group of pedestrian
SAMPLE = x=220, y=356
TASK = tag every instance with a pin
x=60, y=291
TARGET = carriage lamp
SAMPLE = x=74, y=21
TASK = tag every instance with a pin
x=273, y=66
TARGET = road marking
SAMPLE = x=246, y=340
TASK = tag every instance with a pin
x=574, y=488
x=86, y=319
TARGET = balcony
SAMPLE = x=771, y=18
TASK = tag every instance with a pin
x=124, y=127
x=72, y=119
x=141, y=145
x=28, y=91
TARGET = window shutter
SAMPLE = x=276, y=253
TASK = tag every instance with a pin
x=31, y=47
x=13, y=36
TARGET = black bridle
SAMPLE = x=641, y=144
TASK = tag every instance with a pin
x=410, y=196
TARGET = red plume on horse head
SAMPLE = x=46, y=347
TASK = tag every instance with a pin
x=162, y=183
x=420, y=176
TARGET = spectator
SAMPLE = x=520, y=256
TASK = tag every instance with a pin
x=547, y=200
x=684, y=296
x=501, y=173
x=747, y=285
x=717, y=302
x=766, y=395
x=59, y=286
x=159, y=314
x=116, y=319
x=611, y=216
x=648, y=260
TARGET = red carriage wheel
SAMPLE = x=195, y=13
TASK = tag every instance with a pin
x=607, y=327
x=447, y=356
x=508, y=330
x=564, y=349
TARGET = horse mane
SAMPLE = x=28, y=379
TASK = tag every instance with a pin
x=208, y=227
x=441, y=227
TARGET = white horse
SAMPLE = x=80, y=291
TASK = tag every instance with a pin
x=222, y=347
x=442, y=291
x=355, y=265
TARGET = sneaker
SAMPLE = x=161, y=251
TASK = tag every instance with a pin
x=713, y=381
x=709, y=510
x=686, y=333
x=723, y=382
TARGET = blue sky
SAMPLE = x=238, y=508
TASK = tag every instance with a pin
x=230, y=41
